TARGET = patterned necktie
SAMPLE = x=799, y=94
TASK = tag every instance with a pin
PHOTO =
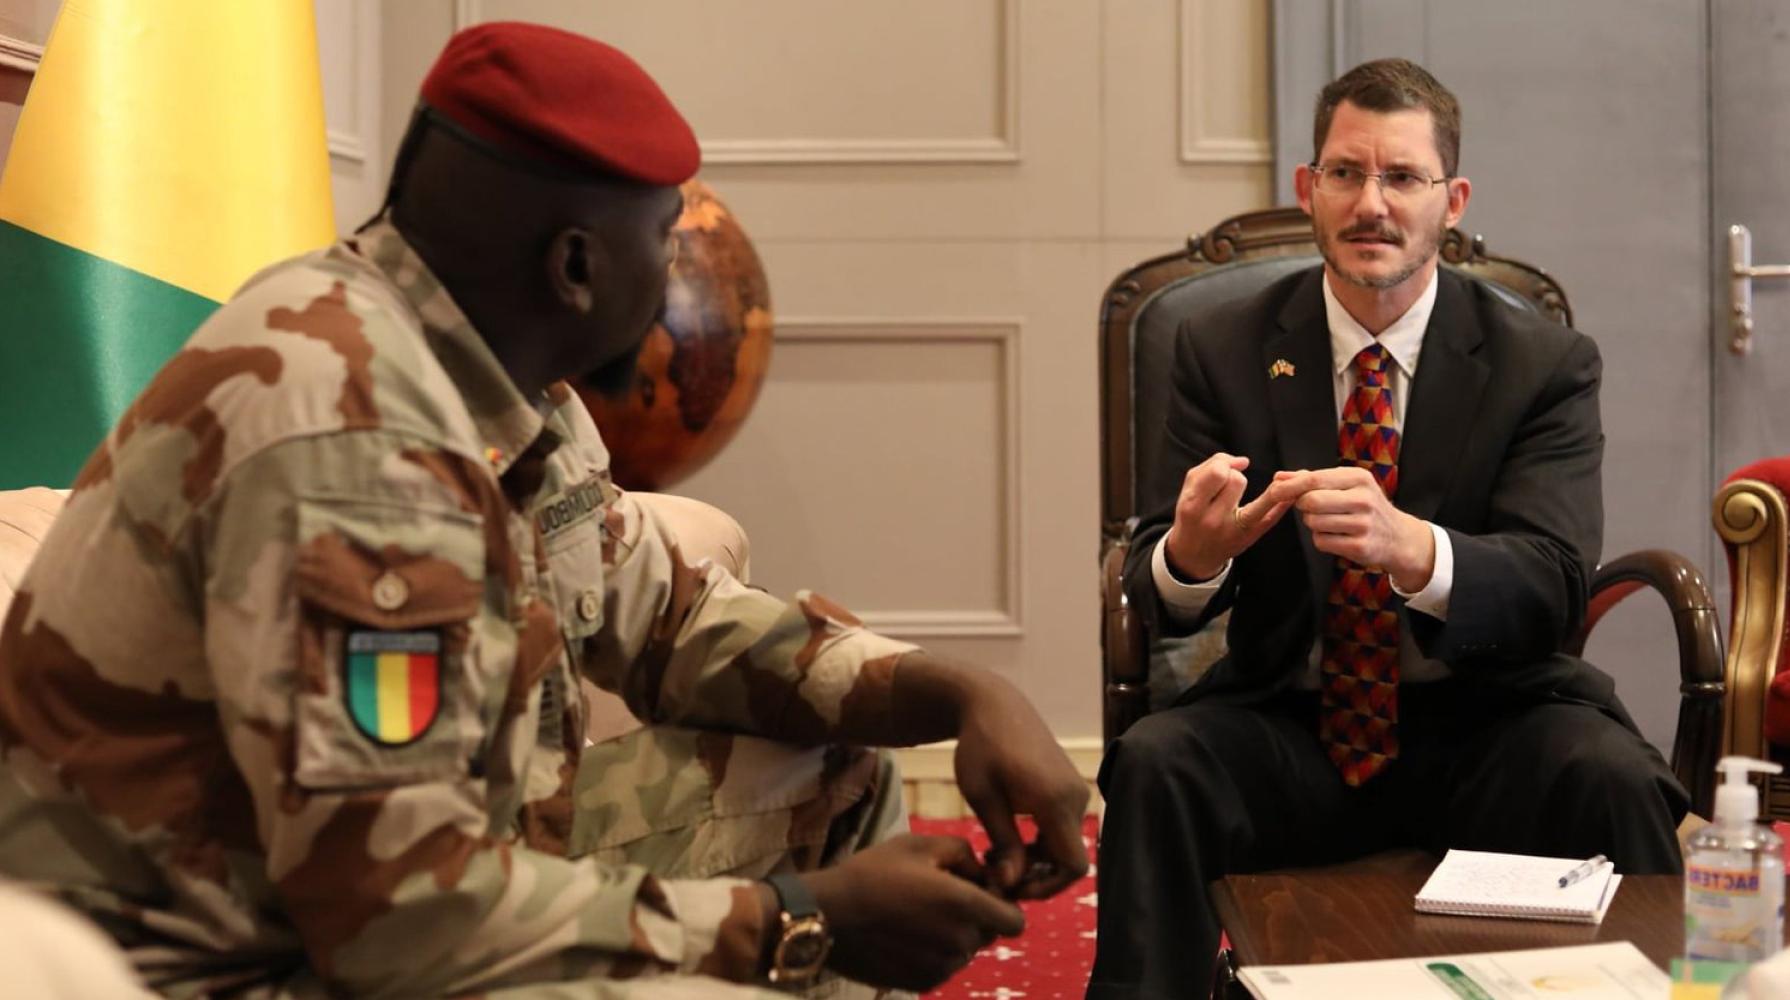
x=1358, y=714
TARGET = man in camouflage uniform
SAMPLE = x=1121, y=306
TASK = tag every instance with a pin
x=288, y=698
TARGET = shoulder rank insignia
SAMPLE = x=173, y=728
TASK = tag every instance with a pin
x=393, y=683
x=1281, y=366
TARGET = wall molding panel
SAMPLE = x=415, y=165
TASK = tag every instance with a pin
x=1200, y=143
x=1000, y=147
x=348, y=139
x=347, y=146
x=1004, y=334
x=467, y=13
x=16, y=53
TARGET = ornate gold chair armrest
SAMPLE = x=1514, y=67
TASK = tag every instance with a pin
x=1750, y=516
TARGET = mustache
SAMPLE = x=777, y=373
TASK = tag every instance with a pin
x=1389, y=234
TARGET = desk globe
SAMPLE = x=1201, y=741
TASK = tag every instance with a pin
x=700, y=369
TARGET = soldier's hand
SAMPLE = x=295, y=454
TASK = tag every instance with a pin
x=908, y=912
x=1210, y=527
x=1008, y=763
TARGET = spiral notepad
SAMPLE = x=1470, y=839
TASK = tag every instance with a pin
x=1518, y=886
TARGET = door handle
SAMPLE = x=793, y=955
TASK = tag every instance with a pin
x=1741, y=272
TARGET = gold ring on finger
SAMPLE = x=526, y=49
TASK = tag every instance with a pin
x=1237, y=518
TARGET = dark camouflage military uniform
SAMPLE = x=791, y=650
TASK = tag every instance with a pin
x=336, y=462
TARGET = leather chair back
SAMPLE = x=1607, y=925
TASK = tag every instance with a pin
x=1140, y=314
x=1138, y=319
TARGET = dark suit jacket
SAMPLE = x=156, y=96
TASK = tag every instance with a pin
x=1502, y=446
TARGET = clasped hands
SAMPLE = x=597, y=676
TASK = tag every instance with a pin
x=1344, y=509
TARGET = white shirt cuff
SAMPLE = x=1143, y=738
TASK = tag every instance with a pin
x=1184, y=600
x=1432, y=600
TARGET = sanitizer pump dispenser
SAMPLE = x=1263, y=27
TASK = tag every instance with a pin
x=1734, y=875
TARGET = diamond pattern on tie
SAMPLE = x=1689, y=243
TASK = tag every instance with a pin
x=1358, y=712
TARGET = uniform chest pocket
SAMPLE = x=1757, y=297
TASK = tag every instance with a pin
x=575, y=564
x=390, y=602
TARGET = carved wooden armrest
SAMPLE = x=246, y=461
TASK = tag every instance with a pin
x=1698, y=741
x=1125, y=663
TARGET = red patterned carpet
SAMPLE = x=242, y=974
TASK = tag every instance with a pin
x=1051, y=959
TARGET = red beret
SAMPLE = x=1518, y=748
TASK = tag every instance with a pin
x=562, y=97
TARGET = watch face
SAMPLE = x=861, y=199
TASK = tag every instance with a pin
x=801, y=951
x=805, y=947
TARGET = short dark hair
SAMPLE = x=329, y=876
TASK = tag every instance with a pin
x=1393, y=85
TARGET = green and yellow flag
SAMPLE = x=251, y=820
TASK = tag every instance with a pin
x=167, y=150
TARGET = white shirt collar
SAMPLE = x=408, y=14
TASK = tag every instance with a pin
x=1403, y=339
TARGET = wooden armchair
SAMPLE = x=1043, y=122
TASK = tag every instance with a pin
x=1751, y=518
x=1238, y=257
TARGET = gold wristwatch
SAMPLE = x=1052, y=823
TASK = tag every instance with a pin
x=803, y=940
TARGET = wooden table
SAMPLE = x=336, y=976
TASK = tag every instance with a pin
x=1362, y=910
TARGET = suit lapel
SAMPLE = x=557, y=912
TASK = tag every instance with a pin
x=1303, y=403
x=1444, y=400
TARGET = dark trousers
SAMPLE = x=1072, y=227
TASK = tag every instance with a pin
x=1204, y=789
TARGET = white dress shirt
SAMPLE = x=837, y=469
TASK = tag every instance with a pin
x=1403, y=341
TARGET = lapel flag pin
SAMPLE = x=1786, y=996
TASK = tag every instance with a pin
x=1281, y=366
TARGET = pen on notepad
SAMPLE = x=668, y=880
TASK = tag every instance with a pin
x=1581, y=871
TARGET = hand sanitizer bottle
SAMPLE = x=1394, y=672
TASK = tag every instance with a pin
x=1734, y=875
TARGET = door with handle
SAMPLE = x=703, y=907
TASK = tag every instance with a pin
x=1750, y=166
x=1741, y=274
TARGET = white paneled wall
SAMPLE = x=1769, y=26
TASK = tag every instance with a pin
x=940, y=190
x=348, y=46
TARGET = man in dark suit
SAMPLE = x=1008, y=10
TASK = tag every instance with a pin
x=1392, y=481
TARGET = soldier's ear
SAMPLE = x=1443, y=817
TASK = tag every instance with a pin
x=572, y=268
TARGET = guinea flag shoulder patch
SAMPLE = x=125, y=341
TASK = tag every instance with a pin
x=393, y=683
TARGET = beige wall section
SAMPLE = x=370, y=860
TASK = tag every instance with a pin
x=941, y=190
x=348, y=48
x=24, y=25
x=28, y=20
x=892, y=388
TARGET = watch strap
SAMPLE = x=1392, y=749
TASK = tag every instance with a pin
x=793, y=895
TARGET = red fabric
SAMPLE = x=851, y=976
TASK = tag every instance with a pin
x=563, y=97
x=425, y=674
x=1777, y=702
x=1051, y=959
x=1358, y=718
x=1774, y=472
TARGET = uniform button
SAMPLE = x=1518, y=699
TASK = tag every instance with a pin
x=390, y=591
x=589, y=605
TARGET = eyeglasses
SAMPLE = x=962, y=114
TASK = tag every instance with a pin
x=1399, y=182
